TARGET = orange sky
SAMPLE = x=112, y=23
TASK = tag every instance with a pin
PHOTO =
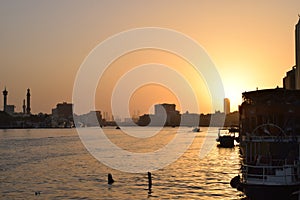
x=145, y=96
x=44, y=43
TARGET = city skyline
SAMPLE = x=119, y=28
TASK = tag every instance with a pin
x=43, y=51
x=26, y=109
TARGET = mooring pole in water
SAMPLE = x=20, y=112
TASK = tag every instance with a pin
x=149, y=182
x=110, y=179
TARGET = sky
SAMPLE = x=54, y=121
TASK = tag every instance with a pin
x=44, y=43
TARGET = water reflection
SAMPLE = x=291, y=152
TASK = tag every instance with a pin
x=55, y=163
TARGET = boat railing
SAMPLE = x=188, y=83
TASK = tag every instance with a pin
x=254, y=138
x=227, y=132
x=270, y=174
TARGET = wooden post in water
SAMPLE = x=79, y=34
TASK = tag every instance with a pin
x=149, y=182
x=110, y=179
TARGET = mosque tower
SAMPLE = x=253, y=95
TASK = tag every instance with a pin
x=28, y=102
x=5, y=92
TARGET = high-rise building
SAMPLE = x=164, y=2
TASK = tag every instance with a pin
x=292, y=79
x=226, y=106
x=297, y=56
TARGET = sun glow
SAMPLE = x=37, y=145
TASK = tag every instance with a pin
x=149, y=95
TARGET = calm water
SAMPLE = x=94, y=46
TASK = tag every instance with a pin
x=54, y=162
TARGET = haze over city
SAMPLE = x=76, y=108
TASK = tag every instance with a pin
x=43, y=45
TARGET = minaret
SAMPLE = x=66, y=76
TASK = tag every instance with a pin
x=24, y=107
x=297, y=56
x=28, y=102
x=4, y=99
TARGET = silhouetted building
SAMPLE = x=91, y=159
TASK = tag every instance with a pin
x=5, y=93
x=93, y=118
x=232, y=119
x=144, y=120
x=217, y=119
x=190, y=119
x=168, y=108
x=205, y=119
x=289, y=80
x=292, y=79
x=164, y=115
x=6, y=120
x=63, y=110
x=297, y=56
x=62, y=115
x=173, y=116
x=10, y=109
x=226, y=106
x=28, y=109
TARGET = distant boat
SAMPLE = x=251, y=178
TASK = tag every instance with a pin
x=196, y=129
x=226, y=137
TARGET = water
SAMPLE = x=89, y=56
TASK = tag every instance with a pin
x=54, y=162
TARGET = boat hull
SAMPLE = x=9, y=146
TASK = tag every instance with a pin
x=280, y=192
x=226, y=141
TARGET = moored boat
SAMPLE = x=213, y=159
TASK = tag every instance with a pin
x=227, y=136
x=270, y=144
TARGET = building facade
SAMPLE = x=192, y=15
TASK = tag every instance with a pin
x=63, y=110
x=292, y=79
x=297, y=56
x=226, y=106
x=93, y=118
x=62, y=115
x=167, y=111
x=289, y=81
x=164, y=115
x=190, y=119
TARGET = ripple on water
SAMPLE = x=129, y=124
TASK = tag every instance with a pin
x=55, y=163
